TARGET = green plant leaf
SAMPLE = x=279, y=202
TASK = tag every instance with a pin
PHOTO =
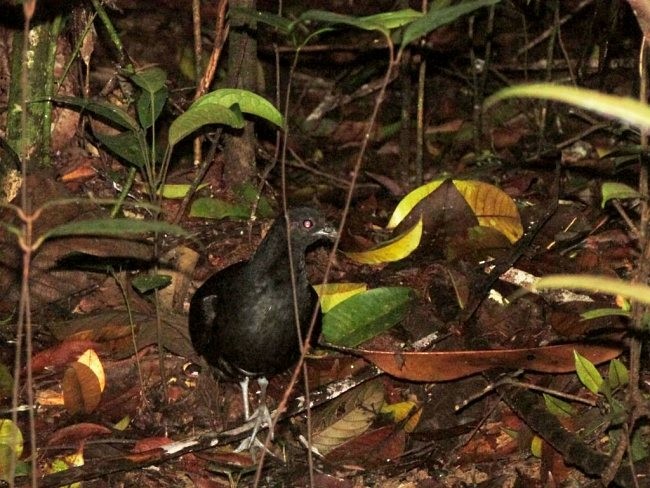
x=283, y=25
x=200, y=116
x=334, y=18
x=596, y=284
x=437, y=17
x=249, y=103
x=104, y=110
x=213, y=208
x=558, y=407
x=365, y=315
x=618, y=374
x=146, y=100
x=393, y=20
x=588, y=374
x=151, y=80
x=624, y=109
x=612, y=189
x=113, y=227
x=604, y=312
x=146, y=283
x=177, y=190
x=127, y=146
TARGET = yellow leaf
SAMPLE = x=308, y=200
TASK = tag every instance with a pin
x=392, y=250
x=492, y=207
x=331, y=294
x=404, y=411
x=90, y=359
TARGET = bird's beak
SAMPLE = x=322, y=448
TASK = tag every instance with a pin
x=328, y=232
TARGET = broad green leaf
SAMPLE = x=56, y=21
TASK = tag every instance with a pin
x=437, y=17
x=393, y=20
x=618, y=375
x=283, y=25
x=11, y=436
x=212, y=208
x=492, y=207
x=604, y=312
x=102, y=109
x=365, y=315
x=247, y=193
x=334, y=18
x=624, y=109
x=612, y=189
x=127, y=146
x=391, y=250
x=558, y=407
x=151, y=80
x=146, y=100
x=198, y=116
x=588, y=374
x=249, y=103
x=331, y=294
x=146, y=283
x=176, y=191
x=596, y=284
x=113, y=227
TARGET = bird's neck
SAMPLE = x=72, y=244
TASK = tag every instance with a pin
x=273, y=250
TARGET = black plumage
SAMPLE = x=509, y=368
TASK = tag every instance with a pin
x=242, y=318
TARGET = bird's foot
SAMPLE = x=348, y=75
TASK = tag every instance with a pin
x=263, y=419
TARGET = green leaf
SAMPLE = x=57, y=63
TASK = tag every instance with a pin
x=588, y=374
x=363, y=316
x=127, y=146
x=249, y=103
x=618, y=375
x=393, y=20
x=177, y=190
x=437, y=17
x=146, y=100
x=334, y=18
x=104, y=110
x=596, y=284
x=604, y=312
x=612, y=189
x=11, y=445
x=624, y=109
x=284, y=26
x=146, y=283
x=151, y=80
x=113, y=227
x=247, y=193
x=213, y=208
x=558, y=407
x=198, y=116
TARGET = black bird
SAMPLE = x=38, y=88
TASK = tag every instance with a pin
x=242, y=318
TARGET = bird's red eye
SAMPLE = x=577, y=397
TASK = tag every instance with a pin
x=307, y=223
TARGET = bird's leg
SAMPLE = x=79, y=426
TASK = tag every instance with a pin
x=262, y=416
x=244, y=390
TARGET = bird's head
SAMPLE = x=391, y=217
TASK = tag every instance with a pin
x=307, y=226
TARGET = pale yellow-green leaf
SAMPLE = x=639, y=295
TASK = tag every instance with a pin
x=596, y=284
x=624, y=109
x=177, y=191
x=11, y=436
x=392, y=250
x=331, y=294
x=613, y=189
